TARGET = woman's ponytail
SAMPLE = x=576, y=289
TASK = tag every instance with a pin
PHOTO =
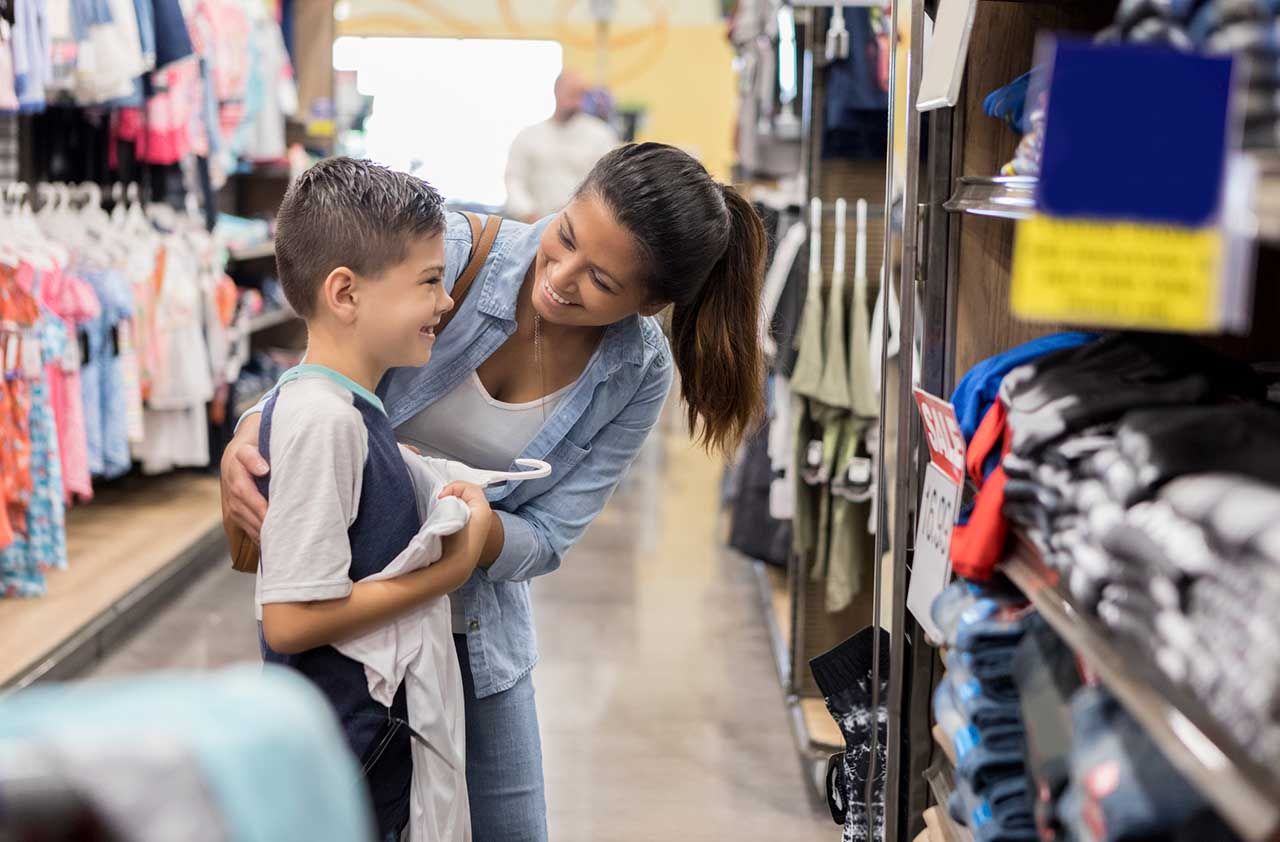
x=705, y=249
x=715, y=339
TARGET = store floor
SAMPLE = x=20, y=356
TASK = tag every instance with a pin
x=661, y=713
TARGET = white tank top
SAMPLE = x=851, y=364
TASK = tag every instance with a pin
x=469, y=426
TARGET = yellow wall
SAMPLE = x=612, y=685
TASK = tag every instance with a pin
x=669, y=56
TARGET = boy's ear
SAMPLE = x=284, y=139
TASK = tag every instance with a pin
x=338, y=294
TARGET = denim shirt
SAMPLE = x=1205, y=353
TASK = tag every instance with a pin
x=590, y=441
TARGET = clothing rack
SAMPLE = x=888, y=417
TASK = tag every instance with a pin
x=956, y=251
x=792, y=602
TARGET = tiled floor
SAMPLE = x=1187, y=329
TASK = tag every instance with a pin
x=661, y=714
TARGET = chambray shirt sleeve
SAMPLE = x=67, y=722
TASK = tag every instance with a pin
x=539, y=533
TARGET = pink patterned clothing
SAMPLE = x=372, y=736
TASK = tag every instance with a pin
x=73, y=302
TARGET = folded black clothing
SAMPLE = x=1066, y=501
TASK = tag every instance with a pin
x=1168, y=443
x=1077, y=388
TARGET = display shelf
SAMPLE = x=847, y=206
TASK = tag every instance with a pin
x=140, y=541
x=1004, y=196
x=271, y=318
x=816, y=734
x=772, y=585
x=1245, y=794
x=258, y=252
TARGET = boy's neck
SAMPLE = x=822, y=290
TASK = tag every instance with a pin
x=324, y=350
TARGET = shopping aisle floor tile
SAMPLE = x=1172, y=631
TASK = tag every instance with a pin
x=661, y=713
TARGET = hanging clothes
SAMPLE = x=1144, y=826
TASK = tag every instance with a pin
x=41, y=543
x=74, y=302
x=18, y=316
x=270, y=95
x=102, y=378
x=31, y=54
x=177, y=431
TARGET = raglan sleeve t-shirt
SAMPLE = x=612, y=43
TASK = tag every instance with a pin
x=318, y=445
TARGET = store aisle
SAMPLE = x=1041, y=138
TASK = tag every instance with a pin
x=661, y=712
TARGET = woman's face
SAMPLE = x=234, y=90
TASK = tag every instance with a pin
x=588, y=272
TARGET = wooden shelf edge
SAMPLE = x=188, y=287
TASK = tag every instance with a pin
x=1246, y=796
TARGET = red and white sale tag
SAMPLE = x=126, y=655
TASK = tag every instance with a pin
x=942, y=434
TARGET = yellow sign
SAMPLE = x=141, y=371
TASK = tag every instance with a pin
x=1118, y=274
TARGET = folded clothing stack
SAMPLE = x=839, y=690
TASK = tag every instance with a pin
x=1243, y=28
x=977, y=706
x=1146, y=470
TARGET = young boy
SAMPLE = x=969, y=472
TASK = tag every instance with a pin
x=360, y=251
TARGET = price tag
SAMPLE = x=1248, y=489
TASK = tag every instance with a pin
x=939, y=500
x=931, y=564
x=1138, y=237
x=942, y=434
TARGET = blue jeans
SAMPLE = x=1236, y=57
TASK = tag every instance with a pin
x=504, y=761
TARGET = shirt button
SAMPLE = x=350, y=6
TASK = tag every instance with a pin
x=474, y=625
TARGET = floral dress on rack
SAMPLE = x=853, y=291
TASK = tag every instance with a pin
x=18, y=313
x=72, y=300
x=43, y=544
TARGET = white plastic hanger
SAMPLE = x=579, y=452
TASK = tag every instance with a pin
x=534, y=469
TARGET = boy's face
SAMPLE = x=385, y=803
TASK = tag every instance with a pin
x=399, y=311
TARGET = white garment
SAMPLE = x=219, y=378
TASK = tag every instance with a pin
x=469, y=426
x=782, y=452
x=775, y=281
x=548, y=161
x=264, y=134
x=175, y=421
x=418, y=649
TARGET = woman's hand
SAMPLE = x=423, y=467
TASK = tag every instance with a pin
x=242, y=504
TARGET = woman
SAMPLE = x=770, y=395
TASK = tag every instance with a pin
x=554, y=355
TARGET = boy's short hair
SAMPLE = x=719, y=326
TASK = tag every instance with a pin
x=344, y=212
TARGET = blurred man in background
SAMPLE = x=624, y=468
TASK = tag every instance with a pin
x=548, y=160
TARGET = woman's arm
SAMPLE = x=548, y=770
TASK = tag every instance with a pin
x=532, y=540
x=242, y=504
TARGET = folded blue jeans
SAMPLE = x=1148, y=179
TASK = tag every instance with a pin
x=1002, y=815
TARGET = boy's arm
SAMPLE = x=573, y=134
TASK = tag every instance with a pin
x=292, y=627
x=318, y=451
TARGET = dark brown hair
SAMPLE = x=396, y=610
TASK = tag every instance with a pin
x=705, y=249
x=344, y=212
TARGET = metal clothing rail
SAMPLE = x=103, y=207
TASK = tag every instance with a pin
x=1245, y=793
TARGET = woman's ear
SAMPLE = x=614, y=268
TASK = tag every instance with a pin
x=338, y=294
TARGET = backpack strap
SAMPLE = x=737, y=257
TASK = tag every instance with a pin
x=482, y=239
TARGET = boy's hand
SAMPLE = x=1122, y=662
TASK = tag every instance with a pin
x=473, y=496
x=476, y=532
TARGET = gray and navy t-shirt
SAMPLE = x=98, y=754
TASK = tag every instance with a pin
x=341, y=507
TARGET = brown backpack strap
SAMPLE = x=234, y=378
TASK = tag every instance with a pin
x=482, y=240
